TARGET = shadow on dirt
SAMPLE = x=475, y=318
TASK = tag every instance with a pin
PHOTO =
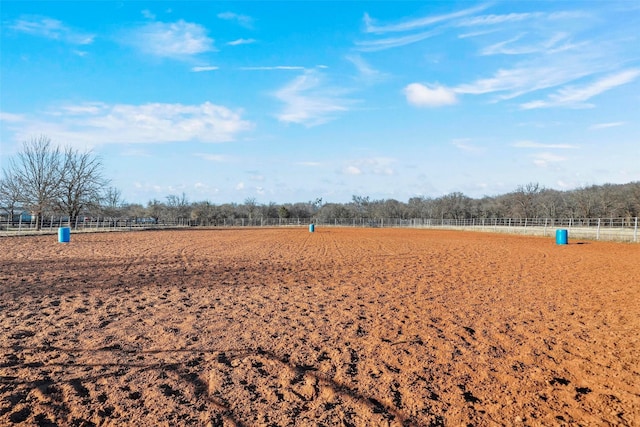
x=17, y=387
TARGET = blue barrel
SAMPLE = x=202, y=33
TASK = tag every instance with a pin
x=562, y=237
x=312, y=228
x=64, y=234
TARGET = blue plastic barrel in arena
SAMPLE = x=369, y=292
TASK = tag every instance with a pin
x=64, y=234
x=312, y=228
x=562, y=237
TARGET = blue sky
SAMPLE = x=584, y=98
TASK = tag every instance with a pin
x=291, y=101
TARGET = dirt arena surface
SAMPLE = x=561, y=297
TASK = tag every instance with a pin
x=341, y=327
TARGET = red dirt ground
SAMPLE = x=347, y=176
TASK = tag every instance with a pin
x=349, y=327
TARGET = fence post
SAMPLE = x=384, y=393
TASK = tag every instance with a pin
x=635, y=231
x=598, y=230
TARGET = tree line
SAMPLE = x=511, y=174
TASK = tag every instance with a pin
x=46, y=180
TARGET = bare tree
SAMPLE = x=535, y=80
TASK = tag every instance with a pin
x=251, y=206
x=112, y=204
x=203, y=213
x=82, y=183
x=361, y=206
x=156, y=209
x=9, y=194
x=37, y=172
x=526, y=201
x=453, y=206
x=178, y=206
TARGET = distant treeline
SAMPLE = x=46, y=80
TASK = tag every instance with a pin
x=526, y=201
x=43, y=180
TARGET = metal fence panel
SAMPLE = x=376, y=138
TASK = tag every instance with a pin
x=615, y=229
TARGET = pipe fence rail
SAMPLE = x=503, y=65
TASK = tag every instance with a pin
x=614, y=229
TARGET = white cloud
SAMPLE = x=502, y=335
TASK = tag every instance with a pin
x=240, y=186
x=12, y=118
x=218, y=158
x=368, y=73
x=352, y=170
x=527, y=17
x=532, y=144
x=43, y=26
x=275, y=67
x=81, y=109
x=497, y=19
x=555, y=44
x=370, y=166
x=465, y=144
x=547, y=159
x=204, y=68
x=244, y=20
x=412, y=24
x=429, y=96
x=148, y=14
x=477, y=33
x=93, y=124
x=135, y=152
x=178, y=40
x=308, y=101
x=241, y=42
x=542, y=73
x=388, y=43
x=574, y=97
x=606, y=125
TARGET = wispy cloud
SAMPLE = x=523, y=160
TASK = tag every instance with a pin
x=370, y=166
x=239, y=42
x=555, y=44
x=217, y=158
x=414, y=29
x=351, y=170
x=532, y=144
x=606, y=125
x=556, y=51
x=367, y=72
x=177, y=40
x=309, y=164
x=536, y=74
x=388, y=43
x=547, y=159
x=309, y=101
x=575, y=96
x=413, y=24
x=272, y=68
x=11, y=118
x=244, y=20
x=50, y=28
x=420, y=95
x=148, y=14
x=135, y=152
x=100, y=124
x=485, y=20
x=204, y=68
x=478, y=33
x=466, y=145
